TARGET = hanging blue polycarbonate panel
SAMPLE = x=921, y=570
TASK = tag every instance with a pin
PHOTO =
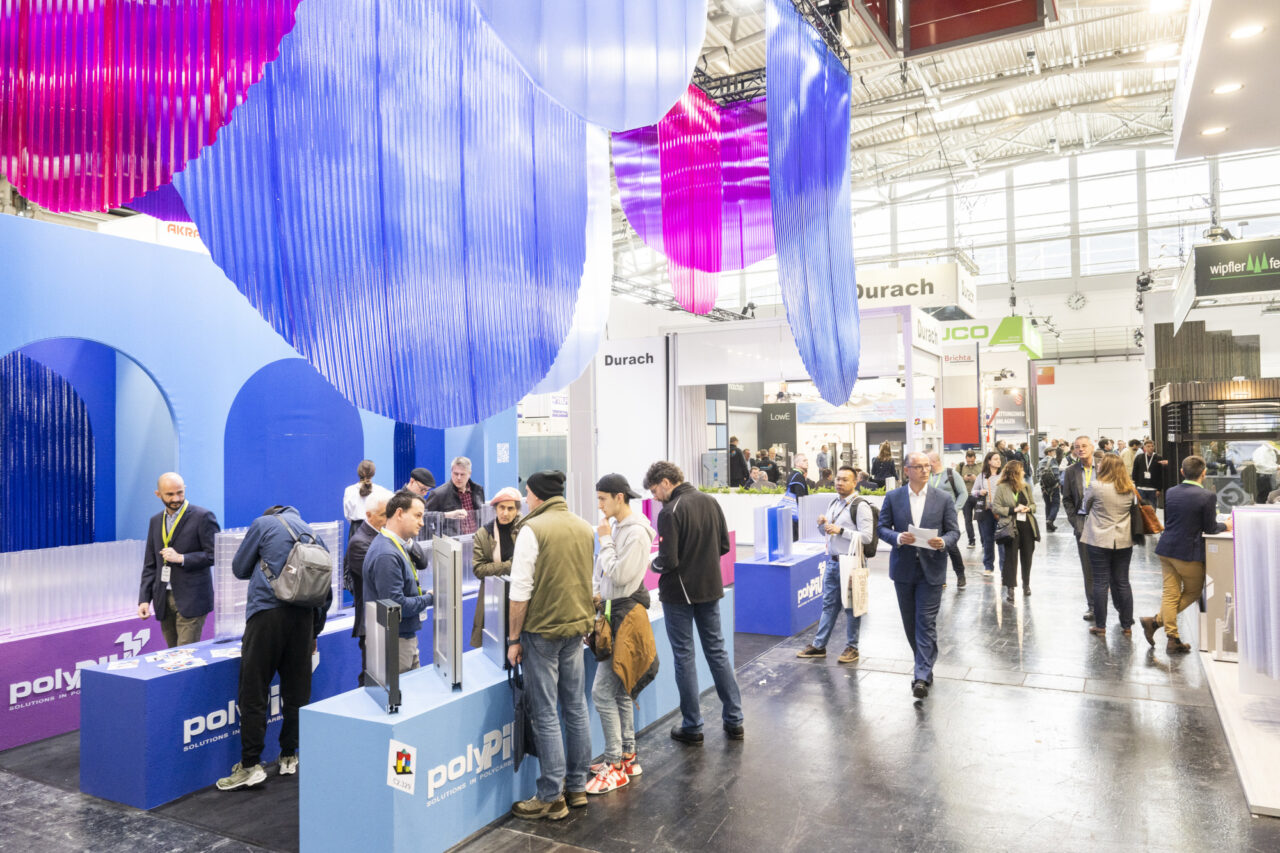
x=617, y=63
x=594, y=294
x=808, y=103
x=46, y=459
x=404, y=206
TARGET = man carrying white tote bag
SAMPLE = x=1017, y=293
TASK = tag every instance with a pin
x=849, y=525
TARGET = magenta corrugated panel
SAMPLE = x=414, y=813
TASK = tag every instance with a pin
x=103, y=101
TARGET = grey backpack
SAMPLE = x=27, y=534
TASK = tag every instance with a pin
x=307, y=576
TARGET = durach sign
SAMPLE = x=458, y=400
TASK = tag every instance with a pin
x=1238, y=266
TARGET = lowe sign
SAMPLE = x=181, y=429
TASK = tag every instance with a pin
x=925, y=286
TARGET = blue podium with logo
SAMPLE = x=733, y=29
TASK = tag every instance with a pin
x=149, y=735
x=441, y=769
x=779, y=590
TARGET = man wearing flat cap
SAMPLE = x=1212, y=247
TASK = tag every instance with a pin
x=551, y=611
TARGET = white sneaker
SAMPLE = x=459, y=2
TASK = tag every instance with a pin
x=242, y=777
x=288, y=765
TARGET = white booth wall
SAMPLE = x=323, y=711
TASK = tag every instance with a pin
x=1095, y=398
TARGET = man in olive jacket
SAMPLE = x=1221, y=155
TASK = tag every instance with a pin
x=551, y=611
x=692, y=536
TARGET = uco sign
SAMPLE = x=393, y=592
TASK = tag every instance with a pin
x=966, y=333
x=925, y=286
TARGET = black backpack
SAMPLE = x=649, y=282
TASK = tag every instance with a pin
x=868, y=551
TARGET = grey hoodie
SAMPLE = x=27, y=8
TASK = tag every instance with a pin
x=623, y=557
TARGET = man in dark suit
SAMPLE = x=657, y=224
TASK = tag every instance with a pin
x=1077, y=478
x=375, y=512
x=738, y=471
x=177, y=576
x=1148, y=472
x=918, y=573
x=1190, y=512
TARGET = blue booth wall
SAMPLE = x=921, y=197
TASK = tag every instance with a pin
x=175, y=319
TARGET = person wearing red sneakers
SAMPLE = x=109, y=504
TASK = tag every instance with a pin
x=625, y=543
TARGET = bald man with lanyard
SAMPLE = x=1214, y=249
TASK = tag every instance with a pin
x=177, y=565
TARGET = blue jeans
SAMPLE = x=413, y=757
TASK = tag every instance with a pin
x=617, y=717
x=918, y=605
x=987, y=528
x=1051, y=511
x=831, y=609
x=680, y=619
x=554, y=673
x=1111, y=569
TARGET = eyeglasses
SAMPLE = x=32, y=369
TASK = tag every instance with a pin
x=917, y=467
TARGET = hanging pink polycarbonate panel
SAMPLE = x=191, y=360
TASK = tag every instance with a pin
x=616, y=63
x=695, y=187
x=102, y=101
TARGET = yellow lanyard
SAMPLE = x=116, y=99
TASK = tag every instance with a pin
x=400, y=548
x=166, y=531
x=1088, y=475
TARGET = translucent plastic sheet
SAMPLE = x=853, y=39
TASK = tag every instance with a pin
x=61, y=588
x=404, y=207
x=617, y=63
x=230, y=594
x=695, y=186
x=809, y=173
x=1257, y=554
x=594, y=293
x=46, y=458
x=102, y=101
x=162, y=203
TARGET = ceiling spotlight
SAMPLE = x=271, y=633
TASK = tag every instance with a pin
x=1213, y=131
x=1139, y=305
x=1228, y=88
x=1137, y=337
x=1247, y=32
x=1144, y=281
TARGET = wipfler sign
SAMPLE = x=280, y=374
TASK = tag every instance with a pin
x=1238, y=266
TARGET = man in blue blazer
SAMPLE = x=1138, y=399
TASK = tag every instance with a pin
x=918, y=573
x=1190, y=512
x=177, y=564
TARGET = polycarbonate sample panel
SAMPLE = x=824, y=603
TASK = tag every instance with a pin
x=404, y=207
x=809, y=175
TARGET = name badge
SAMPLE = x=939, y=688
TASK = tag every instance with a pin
x=1022, y=516
x=1146, y=475
x=164, y=573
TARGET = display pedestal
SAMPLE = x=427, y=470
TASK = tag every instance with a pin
x=1252, y=726
x=440, y=770
x=782, y=597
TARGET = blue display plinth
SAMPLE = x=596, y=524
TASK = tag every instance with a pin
x=441, y=769
x=149, y=736
x=780, y=597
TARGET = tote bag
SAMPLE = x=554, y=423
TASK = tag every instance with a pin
x=855, y=579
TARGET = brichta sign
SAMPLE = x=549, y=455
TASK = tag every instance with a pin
x=1238, y=266
x=924, y=286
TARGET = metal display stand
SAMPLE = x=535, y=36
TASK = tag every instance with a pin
x=446, y=581
x=382, y=656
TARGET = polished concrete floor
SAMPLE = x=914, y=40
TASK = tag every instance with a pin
x=1037, y=736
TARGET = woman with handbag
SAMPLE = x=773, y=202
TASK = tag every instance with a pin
x=984, y=486
x=1108, y=539
x=883, y=467
x=1017, y=531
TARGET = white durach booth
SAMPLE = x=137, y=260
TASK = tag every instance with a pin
x=656, y=387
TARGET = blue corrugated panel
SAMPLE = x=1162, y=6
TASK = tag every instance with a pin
x=404, y=206
x=809, y=176
x=46, y=459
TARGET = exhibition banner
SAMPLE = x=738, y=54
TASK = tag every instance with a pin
x=631, y=385
x=778, y=426
x=42, y=674
x=1008, y=409
x=1238, y=266
x=923, y=286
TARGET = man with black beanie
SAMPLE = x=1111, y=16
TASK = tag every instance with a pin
x=692, y=537
x=551, y=611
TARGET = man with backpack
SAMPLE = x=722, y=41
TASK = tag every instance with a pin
x=850, y=524
x=950, y=483
x=279, y=635
x=1051, y=488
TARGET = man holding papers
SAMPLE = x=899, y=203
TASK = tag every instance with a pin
x=920, y=523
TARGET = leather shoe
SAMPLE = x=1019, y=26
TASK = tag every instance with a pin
x=1176, y=647
x=1149, y=627
x=1008, y=594
x=961, y=581
x=685, y=736
x=1026, y=590
x=735, y=732
x=1101, y=632
x=1088, y=615
x=920, y=688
